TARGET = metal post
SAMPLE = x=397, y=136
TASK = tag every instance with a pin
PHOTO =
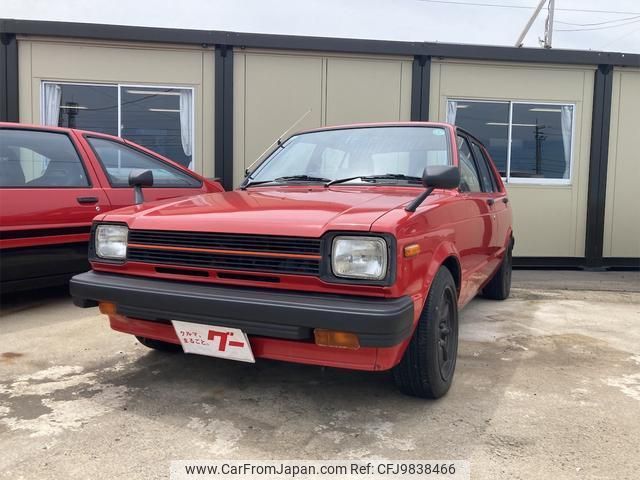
x=520, y=40
x=548, y=31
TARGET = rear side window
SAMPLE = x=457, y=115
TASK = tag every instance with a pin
x=486, y=176
x=118, y=160
x=30, y=158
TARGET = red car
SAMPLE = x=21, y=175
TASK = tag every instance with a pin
x=53, y=181
x=348, y=247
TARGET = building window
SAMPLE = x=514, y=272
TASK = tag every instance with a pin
x=529, y=142
x=159, y=118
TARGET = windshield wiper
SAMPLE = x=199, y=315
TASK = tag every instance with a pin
x=290, y=178
x=374, y=178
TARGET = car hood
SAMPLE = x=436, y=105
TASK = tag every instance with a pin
x=308, y=211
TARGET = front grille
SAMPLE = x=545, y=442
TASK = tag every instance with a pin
x=227, y=241
x=258, y=253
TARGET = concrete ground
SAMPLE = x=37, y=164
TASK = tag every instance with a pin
x=547, y=386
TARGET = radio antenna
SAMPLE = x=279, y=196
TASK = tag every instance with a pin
x=278, y=141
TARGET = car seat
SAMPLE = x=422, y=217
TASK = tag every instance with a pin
x=61, y=173
x=11, y=173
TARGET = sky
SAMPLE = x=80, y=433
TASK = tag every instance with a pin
x=612, y=25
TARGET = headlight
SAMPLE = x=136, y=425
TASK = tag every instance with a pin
x=359, y=257
x=111, y=241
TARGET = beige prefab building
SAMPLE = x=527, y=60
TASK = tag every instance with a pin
x=562, y=126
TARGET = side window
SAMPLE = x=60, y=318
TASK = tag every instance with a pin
x=488, y=181
x=469, y=178
x=118, y=160
x=31, y=158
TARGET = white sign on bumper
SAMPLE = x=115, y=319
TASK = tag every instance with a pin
x=223, y=342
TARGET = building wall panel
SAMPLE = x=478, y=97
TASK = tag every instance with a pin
x=273, y=89
x=365, y=91
x=272, y=92
x=622, y=215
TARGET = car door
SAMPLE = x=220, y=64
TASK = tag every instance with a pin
x=48, y=197
x=497, y=198
x=475, y=233
x=114, y=159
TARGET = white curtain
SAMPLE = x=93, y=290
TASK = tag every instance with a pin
x=452, y=109
x=186, y=125
x=566, y=124
x=52, y=94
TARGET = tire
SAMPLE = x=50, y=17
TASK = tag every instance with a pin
x=159, y=345
x=499, y=286
x=427, y=367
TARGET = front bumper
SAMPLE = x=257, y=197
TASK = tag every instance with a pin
x=265, y=313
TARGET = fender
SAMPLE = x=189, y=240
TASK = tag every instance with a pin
x=508, y=241
x=443, y=251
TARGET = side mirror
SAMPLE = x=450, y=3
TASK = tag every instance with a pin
x=435, y=176
x=441, y=176
x=137, y=180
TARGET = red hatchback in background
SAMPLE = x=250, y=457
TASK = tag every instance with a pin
x=54, y=181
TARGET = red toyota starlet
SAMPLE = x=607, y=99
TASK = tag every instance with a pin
x=351, y=246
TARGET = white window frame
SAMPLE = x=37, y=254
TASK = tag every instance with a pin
x=524, y=180
x=119, y=86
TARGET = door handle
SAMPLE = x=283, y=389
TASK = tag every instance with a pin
x=490, y=201
x=86, y=200
x=505, y=200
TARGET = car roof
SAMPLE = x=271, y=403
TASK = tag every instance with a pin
x=47, y=128
x=392, y=124
x=377, y=125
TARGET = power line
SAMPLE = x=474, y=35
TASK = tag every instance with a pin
x=624, y=35
x=478, y=4
x=524, y=7
x=597, y=23
x=595, y=28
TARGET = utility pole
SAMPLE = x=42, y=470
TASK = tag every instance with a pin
x=529, y=23
x=548, y=29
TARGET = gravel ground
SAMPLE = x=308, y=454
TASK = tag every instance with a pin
x=547, y=386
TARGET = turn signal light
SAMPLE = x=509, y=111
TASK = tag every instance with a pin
x=332, y=338
x=107, y=308
x=411, y=250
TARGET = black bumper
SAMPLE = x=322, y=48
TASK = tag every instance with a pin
x=269, y=313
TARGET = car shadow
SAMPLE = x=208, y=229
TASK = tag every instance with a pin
x=316, y=411
x=14, y=302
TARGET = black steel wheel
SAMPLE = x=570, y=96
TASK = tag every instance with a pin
x=499, y=287
x=428, y=365
x=447, y=341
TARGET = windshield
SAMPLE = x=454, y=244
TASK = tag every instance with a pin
x=356, y=152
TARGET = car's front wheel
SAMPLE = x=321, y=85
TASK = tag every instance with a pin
x=427, y=367
x=159, y=345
